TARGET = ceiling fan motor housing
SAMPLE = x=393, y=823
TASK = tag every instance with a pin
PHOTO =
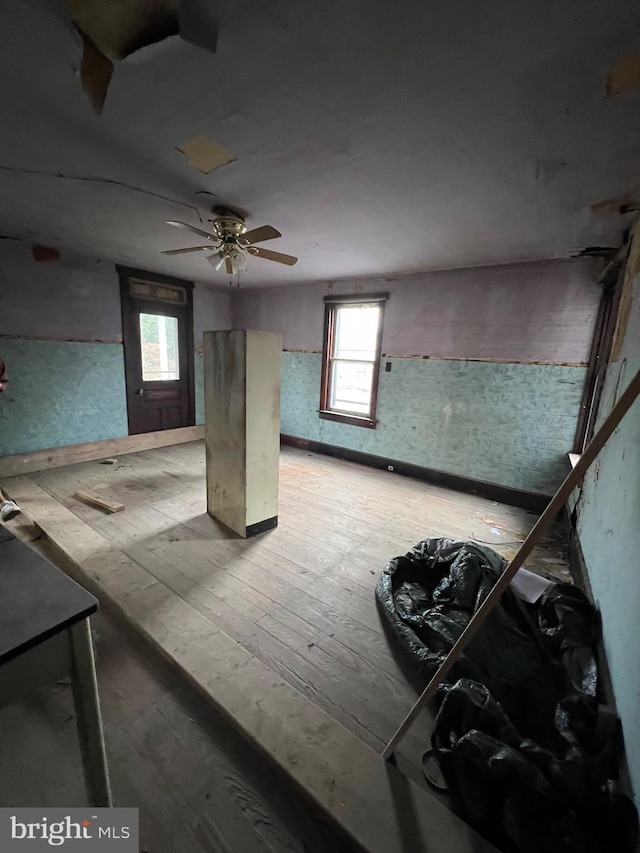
x=229, y=227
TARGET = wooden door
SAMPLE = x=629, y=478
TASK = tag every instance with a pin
x=157, y=324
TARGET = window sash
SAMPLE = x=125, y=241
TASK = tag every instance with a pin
x=341, y=408
x=351, y=406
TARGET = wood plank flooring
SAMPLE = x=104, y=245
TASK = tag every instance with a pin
x=300, y=597
x=199, y=786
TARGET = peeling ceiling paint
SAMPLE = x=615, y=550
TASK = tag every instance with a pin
x=96, y=71
x=120, y=27
x=454, y=134
x=205, y=155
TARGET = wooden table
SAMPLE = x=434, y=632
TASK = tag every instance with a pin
x=44, y=637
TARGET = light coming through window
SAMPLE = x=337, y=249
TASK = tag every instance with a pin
x=159, y=347
x=351, y=361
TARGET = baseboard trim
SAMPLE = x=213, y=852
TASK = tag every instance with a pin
x=261, y=526
x=503, y=494
x=56, y=457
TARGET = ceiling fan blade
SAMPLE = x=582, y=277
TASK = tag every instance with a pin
x=182, y=251
x=190, y=228
x=228, y=266
x=259, y=235
x=268, y=255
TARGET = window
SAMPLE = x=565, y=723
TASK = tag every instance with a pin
x=351, y=359
x=159, y=347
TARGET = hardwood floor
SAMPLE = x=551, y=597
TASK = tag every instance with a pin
x=300, y=597
x=200, y=788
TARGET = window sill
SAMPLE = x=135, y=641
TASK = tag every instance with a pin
x=353, y=420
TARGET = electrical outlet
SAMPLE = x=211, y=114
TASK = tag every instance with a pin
x=389, y=467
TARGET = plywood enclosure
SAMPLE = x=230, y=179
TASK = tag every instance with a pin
x=242, y=428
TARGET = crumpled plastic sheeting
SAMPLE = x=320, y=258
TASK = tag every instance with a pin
x=519, y=737
x=523, y=797
x=429, y=595
x=567, y=621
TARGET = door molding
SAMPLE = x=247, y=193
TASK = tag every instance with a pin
x=125, y=274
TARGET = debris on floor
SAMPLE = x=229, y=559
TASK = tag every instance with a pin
x=99, y=501
x=8, y=509
x=522, y=742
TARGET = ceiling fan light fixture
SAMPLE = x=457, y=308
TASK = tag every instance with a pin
x=238, y=260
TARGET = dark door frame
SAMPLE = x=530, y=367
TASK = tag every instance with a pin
x=126, y=273
x=612, y=280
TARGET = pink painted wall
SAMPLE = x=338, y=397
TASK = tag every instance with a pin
x=521, y=312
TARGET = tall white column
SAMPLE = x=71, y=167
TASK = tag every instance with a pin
x=242, y=428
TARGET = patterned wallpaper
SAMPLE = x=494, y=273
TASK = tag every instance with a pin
x=510, y=424
x=61, y=393
x=609, y=531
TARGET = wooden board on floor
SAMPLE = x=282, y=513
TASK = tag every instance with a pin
x=56, y=457
x=100, y=501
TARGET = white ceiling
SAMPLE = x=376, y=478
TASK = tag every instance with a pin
x=378, y=137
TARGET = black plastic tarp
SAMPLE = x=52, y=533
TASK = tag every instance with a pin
x=520, y=737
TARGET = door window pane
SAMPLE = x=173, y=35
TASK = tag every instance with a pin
x=351, y=387
x=159, y=347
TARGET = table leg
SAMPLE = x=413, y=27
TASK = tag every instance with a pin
x=88, y=717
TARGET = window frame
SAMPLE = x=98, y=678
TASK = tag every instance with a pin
x=332, y=305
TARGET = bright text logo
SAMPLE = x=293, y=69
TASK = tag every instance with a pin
x=78, y=830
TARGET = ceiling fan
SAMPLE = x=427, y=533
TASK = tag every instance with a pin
x=231, y=242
